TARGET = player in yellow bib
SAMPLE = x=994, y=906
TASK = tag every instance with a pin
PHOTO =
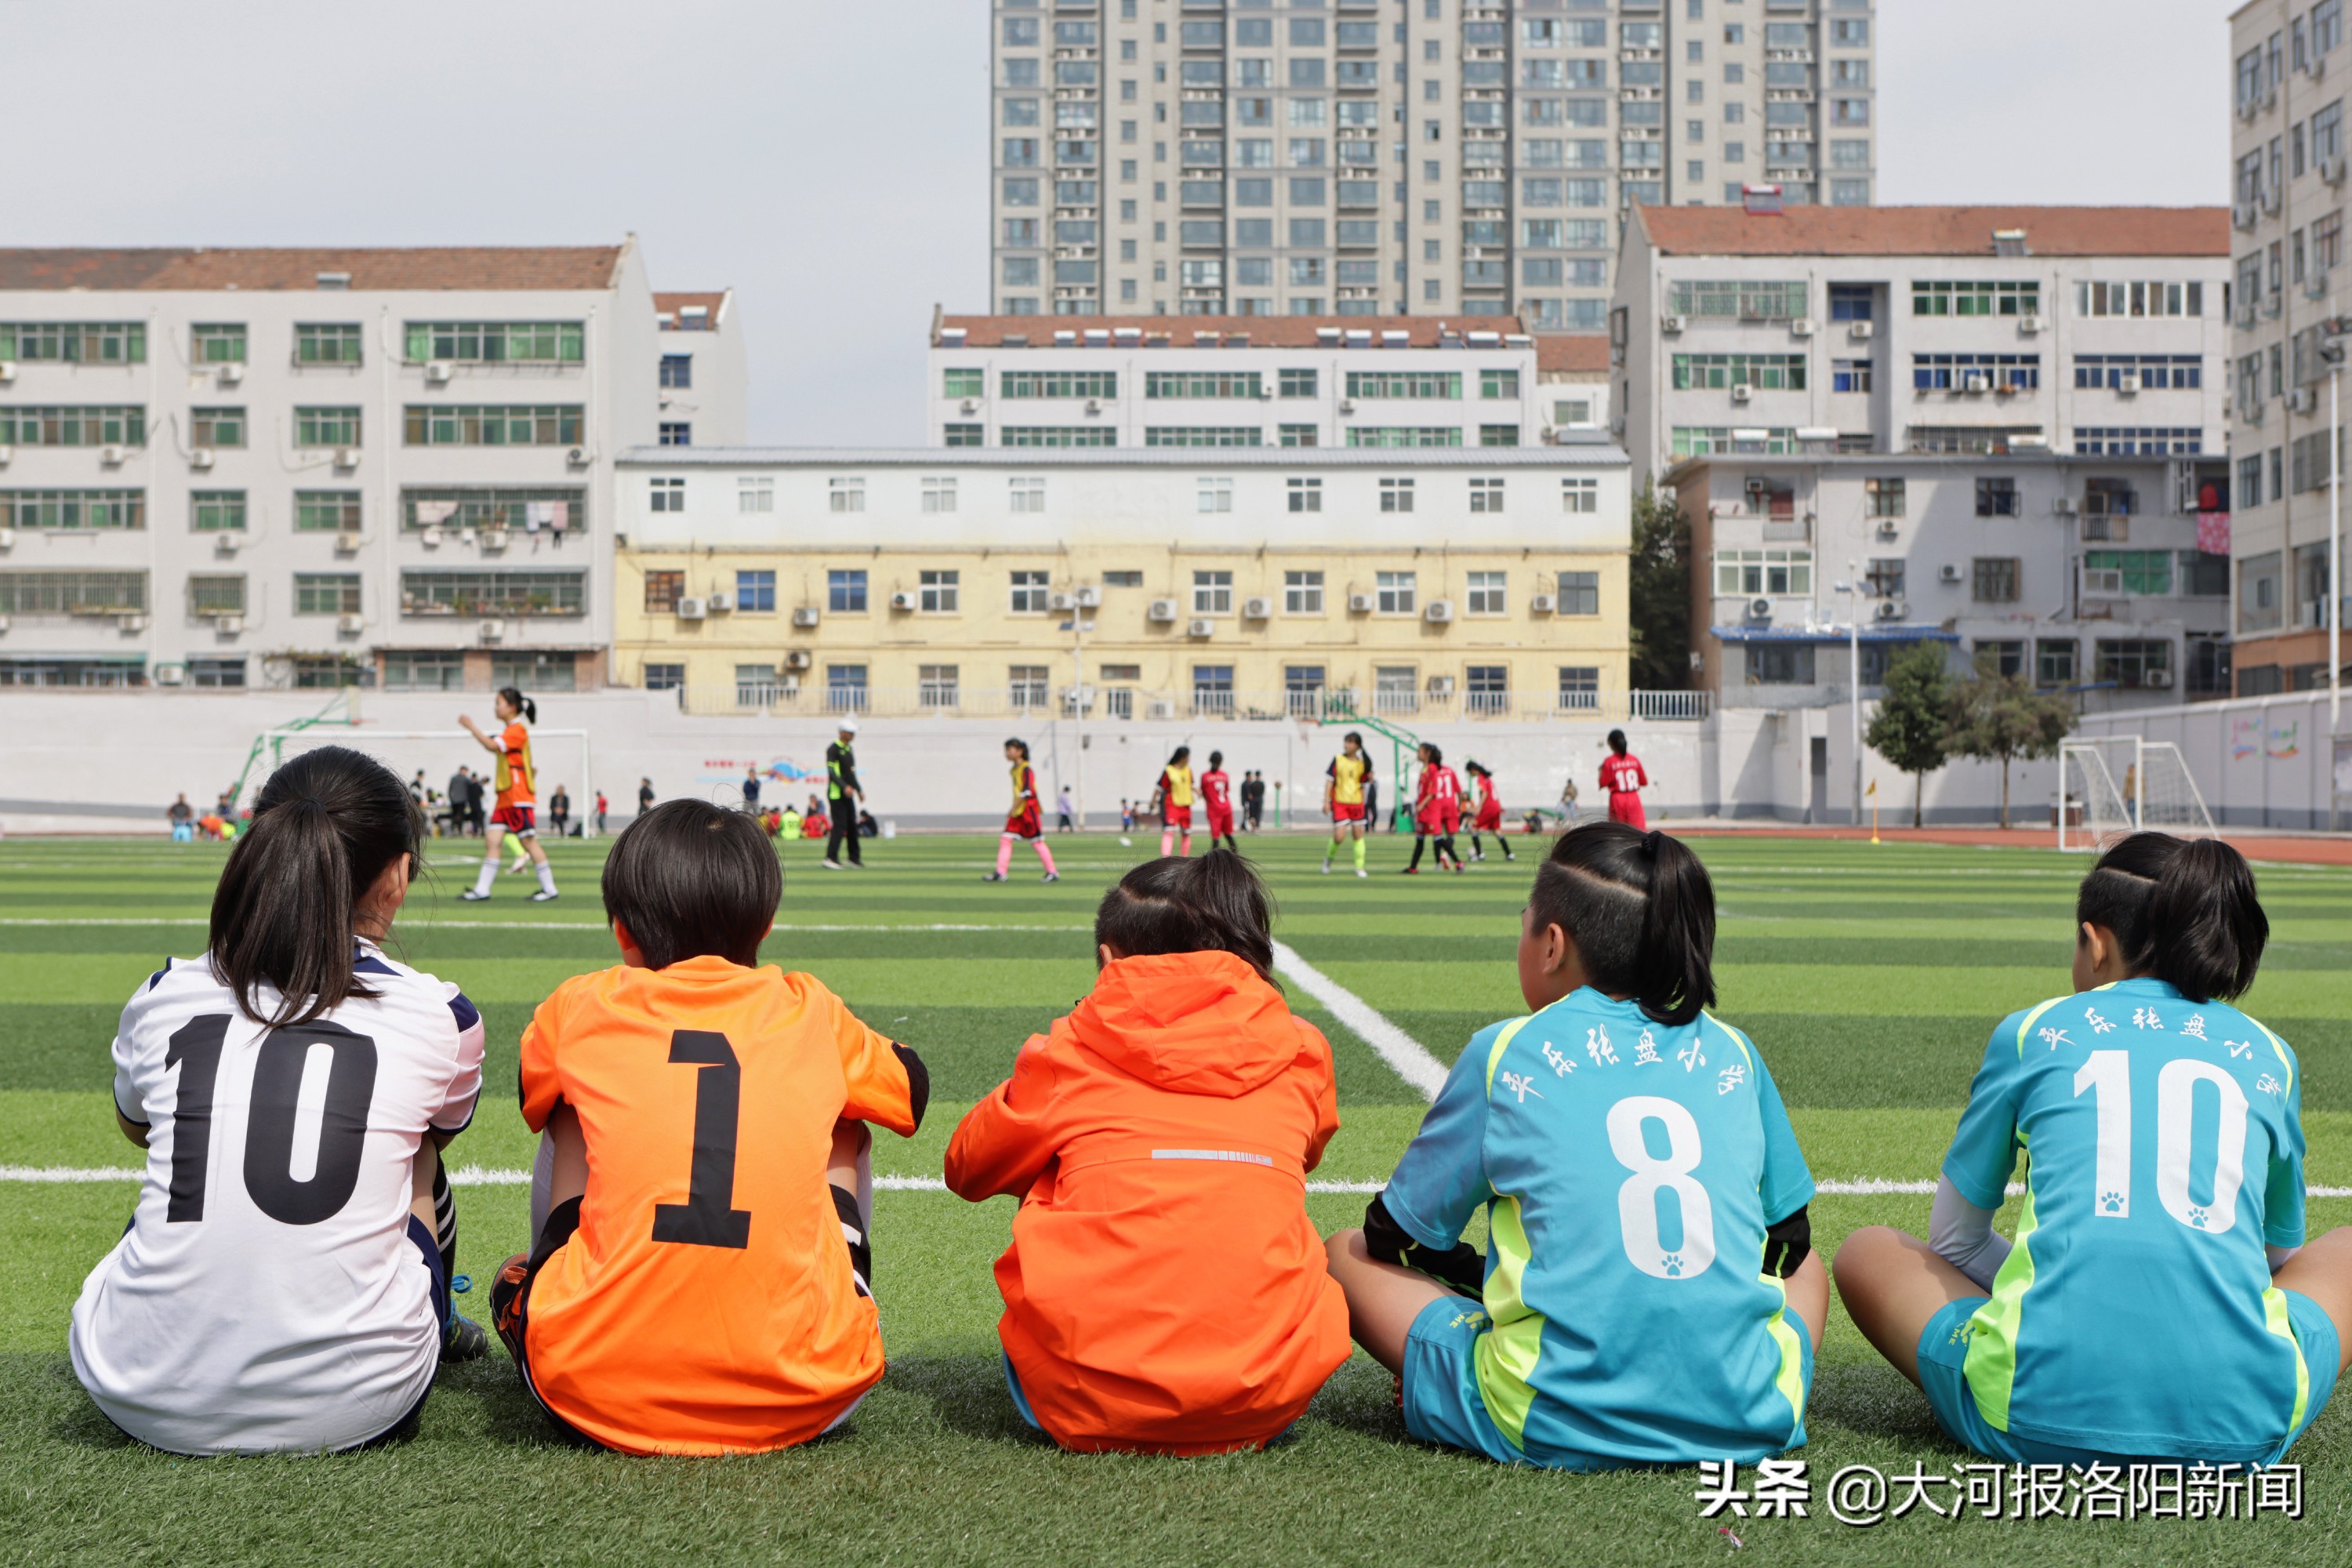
x=1343, y=798
x=1174, y=797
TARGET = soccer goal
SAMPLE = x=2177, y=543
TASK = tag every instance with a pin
x=439, y=753
x=2112, y=785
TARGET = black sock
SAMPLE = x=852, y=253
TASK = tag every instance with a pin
x=1419, y=840
x=445, y=1217
x=855, y=1235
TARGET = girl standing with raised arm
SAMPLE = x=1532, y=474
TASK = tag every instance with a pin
x=518, y=803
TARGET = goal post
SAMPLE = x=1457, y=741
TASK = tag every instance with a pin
x=440, y=751
x=2110, y=787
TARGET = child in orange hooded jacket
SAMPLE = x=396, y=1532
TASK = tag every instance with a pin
x=1165, y=1291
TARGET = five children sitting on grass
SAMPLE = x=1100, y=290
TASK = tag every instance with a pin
x=701, y=1279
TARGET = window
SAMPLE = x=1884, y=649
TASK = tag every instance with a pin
x=216, y=594
x=326, y=342
x=961, y=436
x=1212, y=690
x=218, y=343
x=1994, y=579
x=1768, y=373
x=755, y=592
x=492, y=425
x=1579, y=688
x=324, y=670
x=1057, y=435
x=1883, y=497
x=1302, y=592
x=2112, y=572
x=1213, y=592
x=1431, y=383
x=666, y=495
x=1404, y=436
x=1780, y=664
x=2140, y=440
x=663, y=591
x=846, y=495
x=2155, y=298
x=2129, y=662
x=1489, y=593
x=326, y=593
x=1752, y=571
x=216, y=511
x=2001, y=297
x=1487, y=688
x=1975, y=372
x=1097, y=384
x=1498, y=435
x=327, y=511
x=939, y=493
x=936, y=685
x=78, y=343
x=1027, y=493
x=1214, y=495
x=1850, y=375
x=755, y=493
x=2154, y=373
x=2261, y=594
x=2002, y=656
x=2208, y=674
x=1886, y=576
x=755, y=685
x=1744, y=299
x=509, y=342
x=73, y=509
x=1579, y=593
x=1996, y=498
x=1027, y=685
x=1394, y=593
x=657, y=676
x=2053, y=661
x=675, y=433
x=1485, y=495
x=1297, y=435
x=1203, y=436
x=844, y=592
x=845, y=688
x=1296, y=382
x=1396, y=495
x=71, y=593
x=1029, y=593
x=1394, y=690
x=493, y=593
x=2204, y=576
x=1498, y=384
x=1304, y=495
x=966, y=382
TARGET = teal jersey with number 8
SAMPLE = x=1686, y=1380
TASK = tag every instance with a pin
x=1629, y=1170
x=2164, y=1149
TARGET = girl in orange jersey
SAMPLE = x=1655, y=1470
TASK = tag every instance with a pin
x=518, y=805
x=1165, y=1291
x=1026, y=821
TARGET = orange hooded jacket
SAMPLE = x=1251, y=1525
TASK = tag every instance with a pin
x=1165, y=1291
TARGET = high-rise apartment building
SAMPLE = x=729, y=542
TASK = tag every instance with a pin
x=1391, y=157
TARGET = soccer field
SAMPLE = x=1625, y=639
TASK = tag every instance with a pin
x=1868, y=976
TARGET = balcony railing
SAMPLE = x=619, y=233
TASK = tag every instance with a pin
x=812, y=695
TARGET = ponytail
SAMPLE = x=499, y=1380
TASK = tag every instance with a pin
x=2184, y=911
x=521, y=704
x=1640, y=909
x=1213, y=903
x=324, y=827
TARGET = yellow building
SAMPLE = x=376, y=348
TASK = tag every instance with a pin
x=1127, y=582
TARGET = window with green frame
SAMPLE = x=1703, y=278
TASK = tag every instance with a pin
x=216, y=343
x=326, y=342
x=1498, y=435
x=496, y=424
x=65, y=510
x=216, y=511
x=326, y=427
x=1745, y=298
x=1493, y=384
x=1706, y=440
x=963, y=435
x=520, y=593
x=326, y=511
x=2141, y=571
x=1059, y=382
x=2006, y=297
x=1404, y=436
x=1203, y=436
x=1437, y=383
x=966, y=382
x=1203, y=384
x=326, y=593
x=1057, y=435
x=1297, y=435
x=1296, y=382
x=71, y=593
x=215, y=426
x=74, y=426
x=323, y=672
x=216, y=594
x=75, y=342
x=490, y=507
x=1766, y=372
x=498, y=342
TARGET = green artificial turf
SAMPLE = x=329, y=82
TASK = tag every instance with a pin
x=1868, y=976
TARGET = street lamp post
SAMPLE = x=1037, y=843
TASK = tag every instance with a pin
x=1852, y=590
x=1077, y=625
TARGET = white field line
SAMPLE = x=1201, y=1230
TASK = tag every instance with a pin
x=1409, y=1059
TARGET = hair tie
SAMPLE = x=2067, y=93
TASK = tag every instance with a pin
x=1649, y=842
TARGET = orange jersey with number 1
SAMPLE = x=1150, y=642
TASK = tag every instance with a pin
x=706, y=1304
x=515, y=784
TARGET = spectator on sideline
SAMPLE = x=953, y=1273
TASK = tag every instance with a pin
x=559, y=810
x=645, y=796
x=1254, y=800
x=182, y=818
x=603, y=806
x=1062, y=805
x=417, y=789
x=751, y=790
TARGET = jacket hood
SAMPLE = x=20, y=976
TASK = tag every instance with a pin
x=1192, y=1023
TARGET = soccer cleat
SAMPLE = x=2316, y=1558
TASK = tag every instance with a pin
x=471, y=897
x=463, y=1339
x=1361, y=872
x=1327, y=865
x=992, y=877
x=1050, y=877
x=1409, y=871
x=544, y=897
x=830, y=864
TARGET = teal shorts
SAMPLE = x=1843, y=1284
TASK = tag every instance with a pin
x=1943, y=1377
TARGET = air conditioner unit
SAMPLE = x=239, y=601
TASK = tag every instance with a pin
x=7, y=371
x=902, y=602
x=1437, y=612
x=798, y=659
x=2243, y=215
x=4, y=623
x=1891, y=610
x=202, y=458
x=347, y=457
x=1258, y=609
x=577, y=457
x=1949, y=573
x=1200, y=626
x=133, y=622
x=1161, y=610
x=494, y=539
x=351, y=626
x=431, y=538
x=690, y=609
x=2332, y=171
x=7, y=538
x=2316, y=286
x=1975, y=384
x=1160, y=710
x=2161, y=679
x=2064, y=506
x=1759, y=608
x=2302, y=400
x=231, y=374
x=2128, y=383
x=1542, y=604
x=490, y=631
x=1088, y=597
x=719, y=604
x=437, y=371
x=1802, y=327
x=1742, y=393
x=1860, y=332
x=227, y=543
x=1061, y=601
x=171, y=674
x=2271, y=199
x=229, y=625
x=1265, y=393
x=2030, y=325
x=1078, y=699
x=968, y=406
x=8, y=455
x=111, y=456
x=807, y=615
x=347, y=542
x=1360, y=603
x=1094, y=405
x=1673, y=324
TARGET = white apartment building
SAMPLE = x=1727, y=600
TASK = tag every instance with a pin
x=1392, y=157
x=2288, y=172
x=1145, y=381
x=1956, y=331
x=703, y=371
x=314, y=467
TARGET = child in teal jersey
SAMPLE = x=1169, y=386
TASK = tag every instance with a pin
x=2158, y=1300
x=1649, y=1295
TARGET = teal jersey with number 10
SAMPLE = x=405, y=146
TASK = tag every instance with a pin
x=1629, y=1170
x=2164, y=1149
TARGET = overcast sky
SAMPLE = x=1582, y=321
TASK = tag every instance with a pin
x=827, y=158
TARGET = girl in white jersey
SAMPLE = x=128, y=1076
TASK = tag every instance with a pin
x=284, y=1283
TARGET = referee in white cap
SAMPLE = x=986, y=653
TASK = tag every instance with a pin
x=842, y=794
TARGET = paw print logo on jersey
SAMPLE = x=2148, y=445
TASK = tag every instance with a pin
x=2198, y=1217
x=2111, y=1202
x=1520, y=1084
x=2267, y=1084
x=1731, y=1077
x=1597, y=1046
x=2099, y=1025
x=2195, y=1027
x=1671, y=1265
x=1645, y=1050
x=1691, y=1057
x=1560, y=1066
x=2054, y=1038
x=2145, y=1018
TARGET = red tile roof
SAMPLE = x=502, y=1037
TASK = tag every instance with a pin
x=1573, y=354
x=568, y=268
x=1937, y=231
x=672, y=305
x=1262, y=331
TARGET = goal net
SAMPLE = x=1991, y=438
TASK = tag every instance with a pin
x=558, y=757
x=2114, y=786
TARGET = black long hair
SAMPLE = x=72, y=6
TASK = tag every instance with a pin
x=524, y=705
x=1208, y=903
x=1641, y=910
x=2183, y=909
x=324, y=827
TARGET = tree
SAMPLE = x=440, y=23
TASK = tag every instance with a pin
x=2001, y=718
x=1913, y=726
x=1659, y=594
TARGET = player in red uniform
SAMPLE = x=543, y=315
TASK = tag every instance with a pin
x=1486, y=814
x=1217, y=794
x=1026, y=820
x=1621, y=776
x=518, y=788
x=1171, y=798
x=1437, y=809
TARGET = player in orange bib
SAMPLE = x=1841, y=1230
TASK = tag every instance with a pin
x=517, y=801
x=1621, y=776
x=1026, y=821
x=702, y=1278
